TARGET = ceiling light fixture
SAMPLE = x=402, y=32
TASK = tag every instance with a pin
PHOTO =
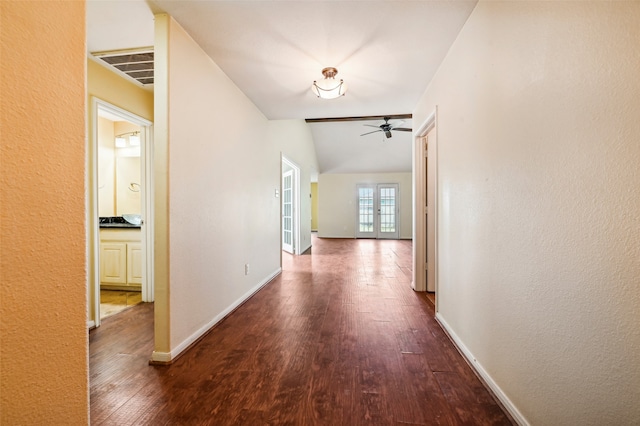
x=329, y=88
x=133, y=139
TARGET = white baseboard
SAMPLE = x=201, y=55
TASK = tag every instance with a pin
x=161, y=357
x=166, y=357
x=307, y=248
x=91, y=324
x=504, y=400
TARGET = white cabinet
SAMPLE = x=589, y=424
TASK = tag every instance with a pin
x=120, y=259
x=113, y=263
x=134, y=263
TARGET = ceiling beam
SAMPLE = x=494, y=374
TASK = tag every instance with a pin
x=364, y=118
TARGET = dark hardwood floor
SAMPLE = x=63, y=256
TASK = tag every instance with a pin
x=339, y=338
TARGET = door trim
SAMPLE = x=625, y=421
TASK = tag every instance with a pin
x=148, y=292
x=93, y=229
x=288, y=186
x=296, y=203
x=420, y=225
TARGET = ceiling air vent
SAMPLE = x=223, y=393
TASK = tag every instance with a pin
x=135, y=64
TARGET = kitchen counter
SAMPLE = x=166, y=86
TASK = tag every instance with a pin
x=118, y=222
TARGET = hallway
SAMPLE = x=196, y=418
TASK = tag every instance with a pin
x=339, y=338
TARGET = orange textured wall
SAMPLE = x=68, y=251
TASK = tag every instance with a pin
x=43, y=348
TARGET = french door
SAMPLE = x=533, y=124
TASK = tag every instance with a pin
x=378, y=210
x=287, y=212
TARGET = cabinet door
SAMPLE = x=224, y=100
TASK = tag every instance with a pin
x=113, y=263
x=134, y=263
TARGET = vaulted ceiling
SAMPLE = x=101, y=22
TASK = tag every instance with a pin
x=386, y=51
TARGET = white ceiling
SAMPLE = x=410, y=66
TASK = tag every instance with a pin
x=371, y=153
x=386, y=51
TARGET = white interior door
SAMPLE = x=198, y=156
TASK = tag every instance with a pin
x=367, y=218
x=430, y=203
x=425, y=238
x=377, y=210
x=388, y=210
x=287, y=212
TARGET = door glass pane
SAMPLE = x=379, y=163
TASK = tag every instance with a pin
x=387, y=210
x=365, y=209
x=287, y=212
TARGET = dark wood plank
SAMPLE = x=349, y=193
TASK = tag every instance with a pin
x=338, y=338
x=472, y=404
x=360, y=118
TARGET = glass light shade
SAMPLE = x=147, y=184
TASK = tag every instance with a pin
x=121, y=142
x=329, y=88
x=134, y=140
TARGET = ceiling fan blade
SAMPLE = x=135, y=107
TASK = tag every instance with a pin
x=375, y=131
x=396, y=123
x=371, y=125
x=402, y=129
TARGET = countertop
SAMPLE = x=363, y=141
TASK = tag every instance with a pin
x=116, y=222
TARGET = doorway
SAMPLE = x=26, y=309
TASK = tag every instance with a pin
x=120, y=222
x=287, y=212
x=378, y=211
x=430, y=202
x=290, y=190
x=426, y=212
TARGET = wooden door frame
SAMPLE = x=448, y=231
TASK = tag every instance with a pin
x=295, y=202
x=93, y=228
x=420, y=225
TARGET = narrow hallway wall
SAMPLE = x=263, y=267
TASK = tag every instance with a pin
x=539, y=242
x=43, y=351
x=216, y=209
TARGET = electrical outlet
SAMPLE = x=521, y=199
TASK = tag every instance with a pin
x=246, y=269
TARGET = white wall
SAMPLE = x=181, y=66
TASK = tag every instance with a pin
x=221, y=210
x=337, y=205
x=106, y=168
x=539, y=233
x=293, y=138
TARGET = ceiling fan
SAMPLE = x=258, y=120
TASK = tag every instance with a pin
x=387, y=127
